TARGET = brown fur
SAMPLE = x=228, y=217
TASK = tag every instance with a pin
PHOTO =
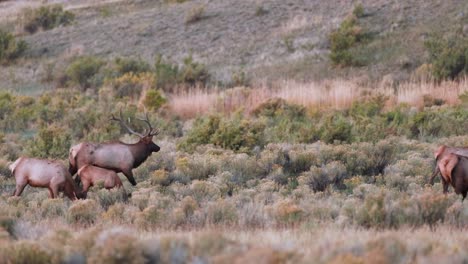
x=43, y=173
x=446, y=158
x=91, y=175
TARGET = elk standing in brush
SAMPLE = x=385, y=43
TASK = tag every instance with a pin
x=43, y=173
x=91, y=175
x=116, y=156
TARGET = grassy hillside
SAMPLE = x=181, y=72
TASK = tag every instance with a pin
x=264, y=39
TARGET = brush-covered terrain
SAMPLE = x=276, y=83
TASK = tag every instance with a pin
x=290, y=131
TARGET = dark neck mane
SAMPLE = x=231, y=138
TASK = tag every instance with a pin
x=140, y=153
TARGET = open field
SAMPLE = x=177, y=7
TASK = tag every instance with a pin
x=358, y=194
x=290, y=131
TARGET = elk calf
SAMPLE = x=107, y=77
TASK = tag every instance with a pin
x=43, y=173
x=91, y=175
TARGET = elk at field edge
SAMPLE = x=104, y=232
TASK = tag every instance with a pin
x=116, y=156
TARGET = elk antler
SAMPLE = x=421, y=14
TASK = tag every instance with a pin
x=151, y=131
x=120, y=120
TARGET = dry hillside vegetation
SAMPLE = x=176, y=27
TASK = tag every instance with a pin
x=285, y=39
x=291, y=131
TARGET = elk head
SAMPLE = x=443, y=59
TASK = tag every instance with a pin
x=146, y=138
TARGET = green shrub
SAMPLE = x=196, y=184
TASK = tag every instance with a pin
x=129, y=65
x=10, y=48
x=50, y=142
x=167, y=74
x=236, y=133
x=7, y=104
x=448, y=56
x=153, y=99
x=193, y=72
x=358, y=10
x=83, y=70
x=336, y=127
x=132, y=84
x=46, y=17
x=343, y=40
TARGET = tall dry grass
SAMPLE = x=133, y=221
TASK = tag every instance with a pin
x=329, y=94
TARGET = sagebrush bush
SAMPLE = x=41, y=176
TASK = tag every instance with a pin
x=117, y=246
x=10, y=47
x=28, y=252
x=106, y=197
x=221, y=212
x=288, y=213
x=160, y=177
x=46, y=17
x=83, y=212
x=149, y=217
x=53, y=208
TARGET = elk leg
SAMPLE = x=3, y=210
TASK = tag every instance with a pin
x=436, y=171
x=54, y=191
x=51, y=194
x=19, y=189
x=77, y=180
x=129, y=175
x=445, y=185
x=86, y=185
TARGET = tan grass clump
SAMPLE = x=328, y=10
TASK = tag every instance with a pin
x=336, y=94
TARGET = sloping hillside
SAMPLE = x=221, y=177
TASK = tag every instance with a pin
x=266, y=39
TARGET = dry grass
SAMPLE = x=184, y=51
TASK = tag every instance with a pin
x=336, y=94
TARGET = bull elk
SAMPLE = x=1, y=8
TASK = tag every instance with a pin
x=116, y=156
x=49, y=174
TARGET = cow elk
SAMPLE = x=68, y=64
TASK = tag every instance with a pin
x=49, y=174
x=116, y=156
